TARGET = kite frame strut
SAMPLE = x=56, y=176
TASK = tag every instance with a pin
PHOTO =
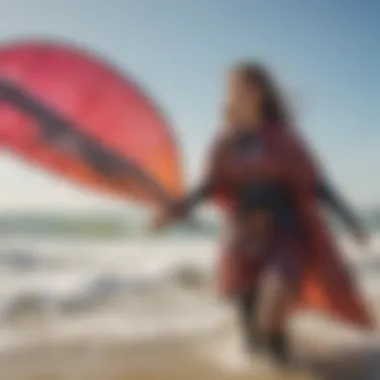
x=67, y=138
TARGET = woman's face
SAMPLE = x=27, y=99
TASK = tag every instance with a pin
x=243, y=101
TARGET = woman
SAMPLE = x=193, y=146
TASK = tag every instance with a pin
x=277, y=244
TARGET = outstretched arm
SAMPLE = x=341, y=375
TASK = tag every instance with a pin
x=211, y=181
x=182, y=207
x=197, y=196
x=339, y=206
x=304, y=159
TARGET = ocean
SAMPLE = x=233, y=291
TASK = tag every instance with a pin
x=62, y=293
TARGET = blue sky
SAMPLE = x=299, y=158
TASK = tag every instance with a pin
x=325, y=52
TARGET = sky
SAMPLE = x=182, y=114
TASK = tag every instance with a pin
x=325, y=53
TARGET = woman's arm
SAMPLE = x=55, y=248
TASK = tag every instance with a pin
x=339, y=206
x=212, y=176
x=197, y=196
x=307, y=166
x=181, y=208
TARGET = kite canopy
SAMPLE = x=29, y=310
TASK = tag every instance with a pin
x=67, y=111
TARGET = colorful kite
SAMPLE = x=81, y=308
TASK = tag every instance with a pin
x=68, y=112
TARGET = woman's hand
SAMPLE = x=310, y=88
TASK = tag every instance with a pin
x=177, y=210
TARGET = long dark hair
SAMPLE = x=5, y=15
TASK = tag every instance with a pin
x=275, y=108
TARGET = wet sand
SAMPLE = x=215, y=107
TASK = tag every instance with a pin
x=177, y=360
x=124, y=364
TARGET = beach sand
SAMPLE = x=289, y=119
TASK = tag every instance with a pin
x=179, y=360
